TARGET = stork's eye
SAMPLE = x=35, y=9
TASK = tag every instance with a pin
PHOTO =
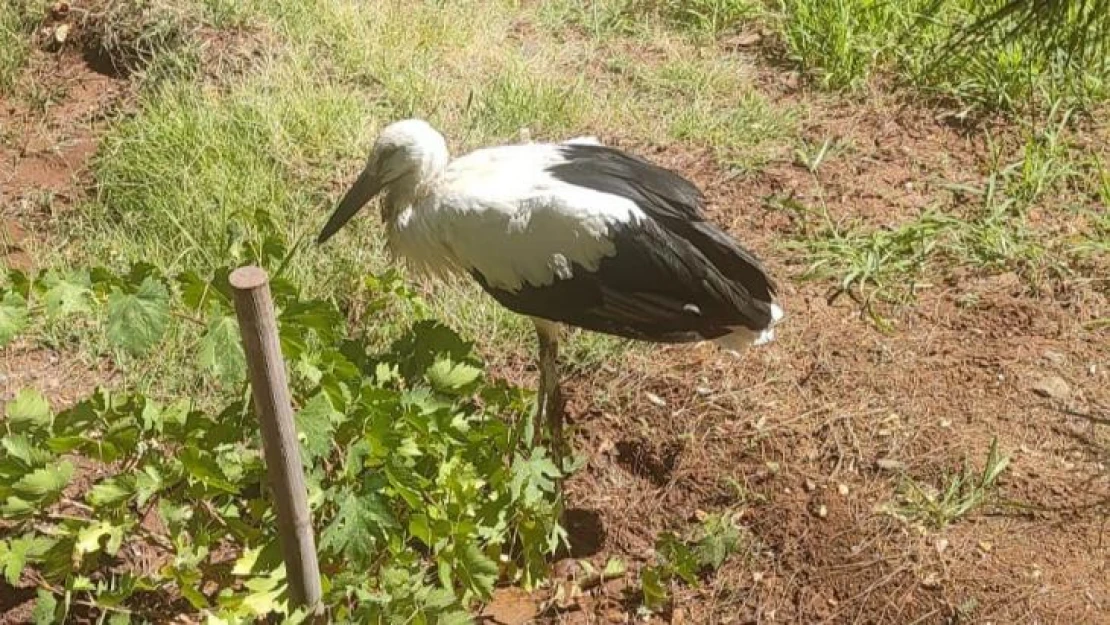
x=388, y=152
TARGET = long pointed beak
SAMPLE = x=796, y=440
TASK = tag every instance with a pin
x=365, y=188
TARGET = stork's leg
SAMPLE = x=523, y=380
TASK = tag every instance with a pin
x=549, y=407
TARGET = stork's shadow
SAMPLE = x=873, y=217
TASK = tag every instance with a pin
x=585, y=533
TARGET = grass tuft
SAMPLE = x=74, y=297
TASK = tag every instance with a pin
x=721, y=108
x=705, y=18
x=156, y=37
x=869, y=263
x=518, y=98
x=959, y=495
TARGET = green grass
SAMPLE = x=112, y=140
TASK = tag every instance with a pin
x=847, y=43
x=890, y=264
x=704, y=18
x=871, y=263
x=720, y=107
x=18, y=20
x=518, y=98
x=959, y=494
x=700, y=20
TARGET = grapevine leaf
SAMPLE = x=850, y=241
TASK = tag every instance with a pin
x=221, y=351
x=455, y=617
x=29, y=408
x=479, y=571
x=104, y=280
x=13, y=317
x=405, y=482
x=44, y=484
x=13, y=562
x=532, y=478
x=68, y=294
x=244, y=565
x=20, y=448
x=148, y=483
x=111, y=492
x=15, y=507
x=357, y=527
x=137, y=321
x=205, y=469
x=314, y=422
x=440, y=599
x=13, y=557
x=140, y=272
x=89, y=537
x=450, y=377
x=66, y=444
x=720, y=541
x=78, y=419
x=651, y=585
x=419, y=349
x=320, y=316
x=46, y=607
x=56, y=562
x=419, y=528
x=261, y=603
x=678, y=556
x=196, y=291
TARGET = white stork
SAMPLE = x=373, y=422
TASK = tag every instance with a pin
x=575, y=233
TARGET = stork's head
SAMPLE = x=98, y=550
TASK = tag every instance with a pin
x=406, y=154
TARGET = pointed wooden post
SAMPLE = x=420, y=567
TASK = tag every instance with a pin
x=269, y=387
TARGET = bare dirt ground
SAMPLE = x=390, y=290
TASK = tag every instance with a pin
x=805, y=440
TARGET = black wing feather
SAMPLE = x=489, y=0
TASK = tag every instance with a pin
x=673, y=278
x=673, y=201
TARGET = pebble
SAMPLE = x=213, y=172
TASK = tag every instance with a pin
x=1055, y=358
x=1053, y=387
x=748, y=39
x=889, y=464
x=842, y=489
x=822, y=511
x=655, y=399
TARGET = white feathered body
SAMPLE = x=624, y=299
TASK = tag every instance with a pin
x=542, y=225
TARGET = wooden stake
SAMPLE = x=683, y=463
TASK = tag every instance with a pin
x=258, y=327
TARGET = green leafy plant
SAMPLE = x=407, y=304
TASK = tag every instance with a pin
x=422, y=501
x=717, y=539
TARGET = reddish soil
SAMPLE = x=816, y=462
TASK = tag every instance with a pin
x=804, y=441
x=45, y=145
